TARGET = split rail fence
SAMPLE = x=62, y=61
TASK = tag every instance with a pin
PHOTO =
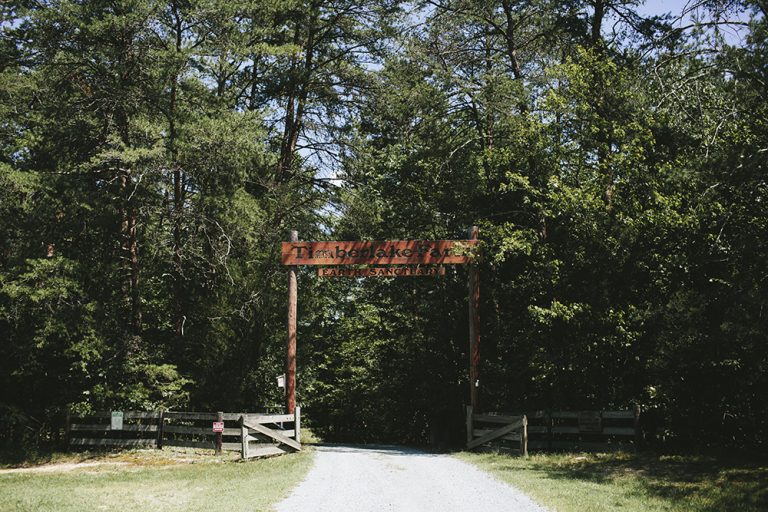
x=556, y=430
x=252, y=434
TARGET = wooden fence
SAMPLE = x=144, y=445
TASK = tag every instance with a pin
x=560, y=430
x=584, y=430
x=252, y=434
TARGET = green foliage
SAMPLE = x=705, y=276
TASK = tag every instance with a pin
x=615, y=186
x=153, y=156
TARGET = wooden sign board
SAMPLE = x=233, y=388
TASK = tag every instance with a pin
x=381, y=272
x=590, y=422
x=397, y=252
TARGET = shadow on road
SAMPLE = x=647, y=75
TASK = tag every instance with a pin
x=378, y=449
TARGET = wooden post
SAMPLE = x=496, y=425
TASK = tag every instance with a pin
x=160, y=425
x=219, y=435
x=470, y=432
x=290, y=361
x=638, y=433
x=68, y=421
x=243, y=439
x=297, y=424
x=550, y=424
x=56, y=429
x=524, y=437
x=474, y=328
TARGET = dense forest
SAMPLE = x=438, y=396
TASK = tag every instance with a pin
x=153, y=155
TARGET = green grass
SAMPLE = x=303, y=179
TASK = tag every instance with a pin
x=632, y=483
x=155, y=480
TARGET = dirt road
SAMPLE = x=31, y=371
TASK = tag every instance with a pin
x=367, y=479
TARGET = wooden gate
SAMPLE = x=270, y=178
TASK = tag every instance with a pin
x=265, y=435
x=484, y=428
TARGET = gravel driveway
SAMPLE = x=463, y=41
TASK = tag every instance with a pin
x=360, y=479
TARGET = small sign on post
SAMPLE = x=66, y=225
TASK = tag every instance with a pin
x=116, y=422
x=218, y=426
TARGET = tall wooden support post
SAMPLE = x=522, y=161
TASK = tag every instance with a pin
x=290, y=360
x=474, y=328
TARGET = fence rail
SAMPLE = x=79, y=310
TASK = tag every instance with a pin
x=252, y=434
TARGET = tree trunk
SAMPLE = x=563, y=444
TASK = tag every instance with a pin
x=297, y=97
x=489, y=116
x=511, y=45
x=178, y=199
x=133, y=252
x=596, y=36
x=130, y=250
x=286, y=152
x=509, y=38
x=128, y=226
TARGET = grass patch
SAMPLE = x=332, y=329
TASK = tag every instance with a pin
x=632, y=482
x=166, y=480
x=308, y=436
x=146, y=457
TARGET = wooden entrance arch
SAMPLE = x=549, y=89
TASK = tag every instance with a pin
x=398, y=258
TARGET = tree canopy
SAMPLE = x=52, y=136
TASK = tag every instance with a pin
x=154, y=154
